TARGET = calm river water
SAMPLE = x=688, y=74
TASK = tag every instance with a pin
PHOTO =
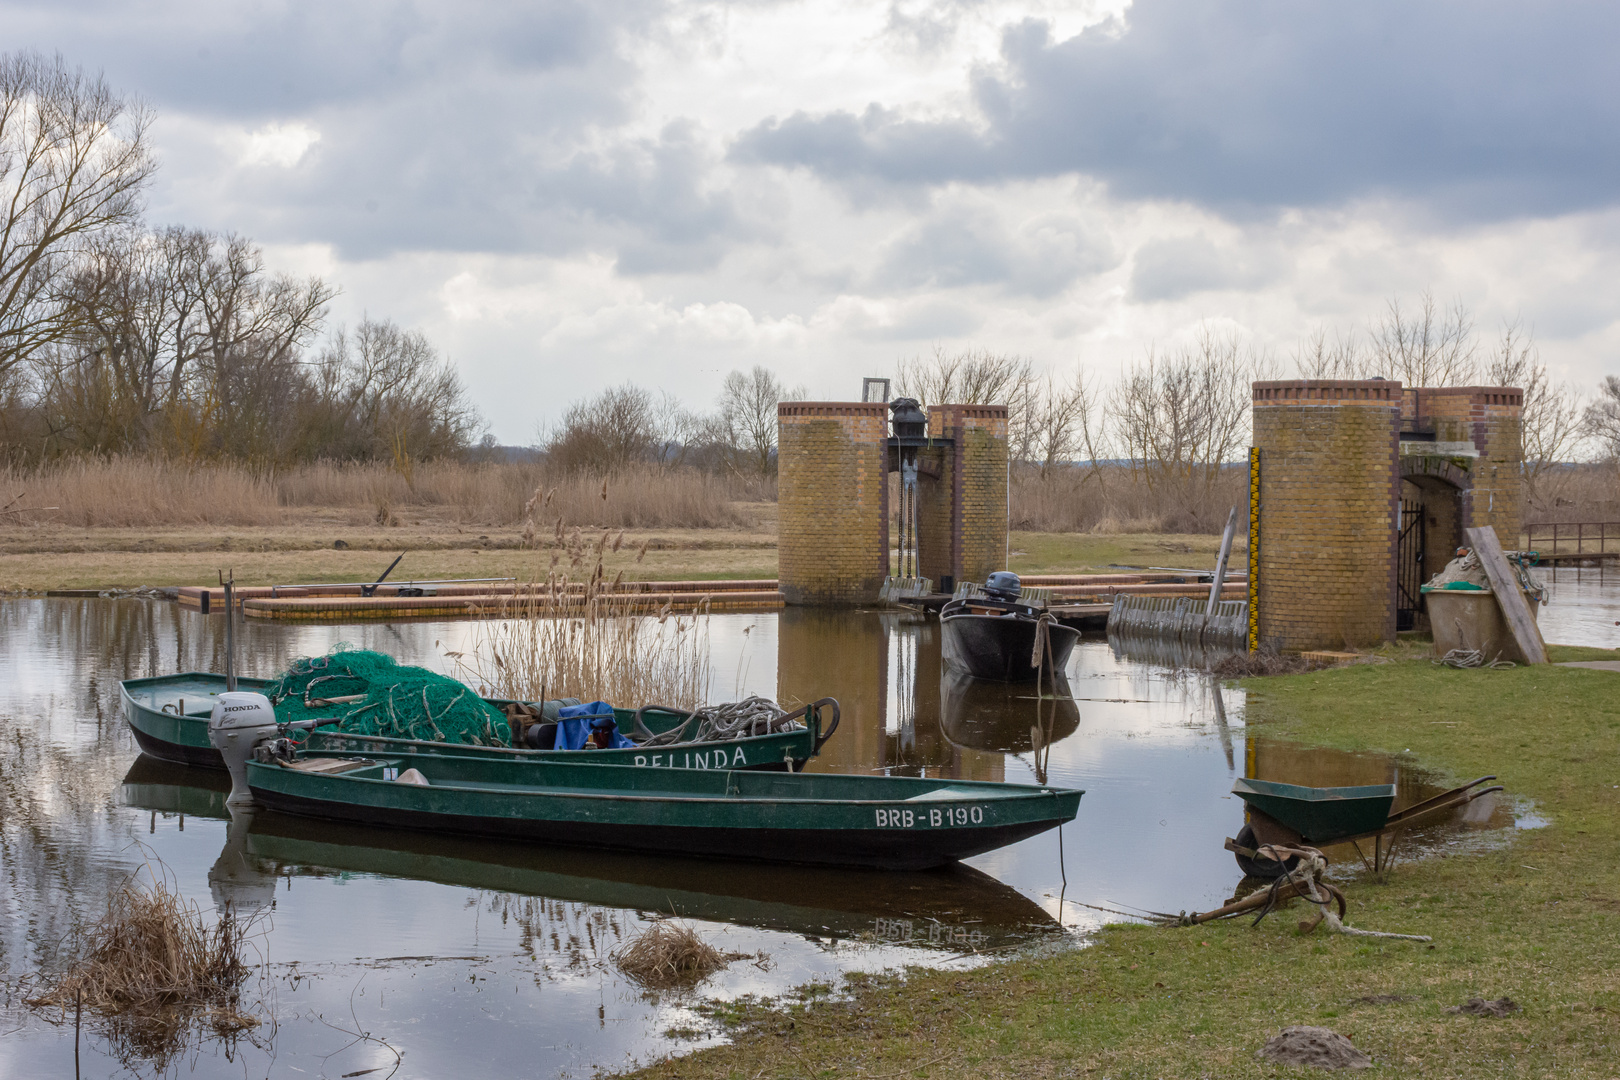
x=482, y=958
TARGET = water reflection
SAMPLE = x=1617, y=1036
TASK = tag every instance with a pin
x=462, y=948
x=1005, y=717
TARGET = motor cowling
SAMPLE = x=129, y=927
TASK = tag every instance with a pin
x=1003, y=585
x=239, y=722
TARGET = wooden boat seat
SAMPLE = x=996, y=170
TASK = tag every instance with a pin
x=328, y=766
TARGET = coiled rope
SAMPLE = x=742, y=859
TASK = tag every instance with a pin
x=729, y=720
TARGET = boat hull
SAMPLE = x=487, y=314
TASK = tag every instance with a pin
x=957, y=908
x=999, y=648
x=805, y=818
x=182, y=737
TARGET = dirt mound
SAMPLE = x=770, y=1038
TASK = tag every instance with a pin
x=1502, y=1006
x=1320, y=1047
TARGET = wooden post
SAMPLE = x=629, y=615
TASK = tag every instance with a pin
x=1509, y=597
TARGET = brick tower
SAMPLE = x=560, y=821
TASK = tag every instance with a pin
x=1329, y=501
x=832, y=500
x=833, y=463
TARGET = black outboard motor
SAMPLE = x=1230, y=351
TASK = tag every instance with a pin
x=1003, y=585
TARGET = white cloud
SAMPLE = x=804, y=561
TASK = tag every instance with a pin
x=279, y=145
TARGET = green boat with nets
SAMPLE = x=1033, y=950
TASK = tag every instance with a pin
x=169, y=717
x=895, y=823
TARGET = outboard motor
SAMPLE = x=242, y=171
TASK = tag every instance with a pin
x=1003, y=585
x=240, y=721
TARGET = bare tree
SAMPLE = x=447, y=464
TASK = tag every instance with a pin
x=396, y=397
x=748, y=415
x=73, y=162
x=1426, y=347
x=606, y=434
x=1061, y=422
x=1338, y=357
x=183, y=342
x=1179, y=418
x=979, y=377
x=1601, y=422
x=1552, y=411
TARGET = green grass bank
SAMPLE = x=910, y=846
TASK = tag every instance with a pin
x=1536, y=918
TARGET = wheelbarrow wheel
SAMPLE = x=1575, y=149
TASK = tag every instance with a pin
x=1265, y=869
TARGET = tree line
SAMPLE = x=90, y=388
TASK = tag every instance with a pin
x=119, y=337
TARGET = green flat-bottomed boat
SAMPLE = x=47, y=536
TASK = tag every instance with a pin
x=898, y=823
x=957, y=908
x=169, y=717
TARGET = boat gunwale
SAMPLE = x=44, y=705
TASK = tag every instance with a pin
x=518, y=752
x=1021, y=792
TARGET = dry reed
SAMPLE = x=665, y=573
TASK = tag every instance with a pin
x=154, y=963
x=669, y=955
x=142, y=492
x=587, y=639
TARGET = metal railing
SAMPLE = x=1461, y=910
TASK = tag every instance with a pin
x=1573, y=538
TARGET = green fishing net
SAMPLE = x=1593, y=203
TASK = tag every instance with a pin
x=394, y=701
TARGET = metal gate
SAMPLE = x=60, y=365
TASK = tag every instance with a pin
x=1409, y=575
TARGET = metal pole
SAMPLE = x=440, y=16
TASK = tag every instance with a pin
x=230, y=632
x=1220, y=563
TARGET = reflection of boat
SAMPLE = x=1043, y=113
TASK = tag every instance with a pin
x=879, y=821
x=956, y=907
x=984, y=715
x=169, y=716
x=991, y=633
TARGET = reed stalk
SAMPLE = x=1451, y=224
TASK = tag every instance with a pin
x=588, y=637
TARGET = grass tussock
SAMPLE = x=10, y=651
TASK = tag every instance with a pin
x=669, y=955
x=125, y=492
x=153, y=964
x=575, y=634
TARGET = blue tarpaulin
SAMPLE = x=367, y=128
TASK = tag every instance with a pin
x=575, y=722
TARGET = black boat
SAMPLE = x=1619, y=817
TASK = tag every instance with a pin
x=990, y=634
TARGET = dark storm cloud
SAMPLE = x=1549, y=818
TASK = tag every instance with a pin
x=469, y=127
x=1480, y=110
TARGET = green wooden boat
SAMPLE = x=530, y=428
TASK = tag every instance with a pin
x=169, y=717
x=957, y=908
x=896, y=823
x=1320, y=815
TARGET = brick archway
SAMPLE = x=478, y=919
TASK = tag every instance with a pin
x=1435, y=490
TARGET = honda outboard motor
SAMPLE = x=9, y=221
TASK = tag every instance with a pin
x=240, y=720
x=1003, y=585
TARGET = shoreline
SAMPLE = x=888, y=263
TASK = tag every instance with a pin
x=1524, y=921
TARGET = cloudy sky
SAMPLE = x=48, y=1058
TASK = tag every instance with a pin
x=565, y=195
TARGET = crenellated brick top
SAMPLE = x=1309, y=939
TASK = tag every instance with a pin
x=1374, y=392
x=973, y=412
x=832, y=408
x=1475, y=395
